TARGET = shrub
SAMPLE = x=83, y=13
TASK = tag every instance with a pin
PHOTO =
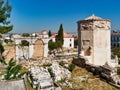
x=51, y=72
x=71, y=67
x=24, y=43
x=62, y=63
x=61, y=81
x=47, y=65
x=8, y=41
x=13, y=71
x=76, y=43
x=25, y=34
x=116, y=51
x=118, y=70
x=52, y=45
x=1, y=48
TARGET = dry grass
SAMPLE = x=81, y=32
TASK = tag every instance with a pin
x=29, y=85
x=90, y=82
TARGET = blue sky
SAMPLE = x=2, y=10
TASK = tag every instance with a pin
x=36, y=15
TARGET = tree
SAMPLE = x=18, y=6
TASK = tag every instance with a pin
x=76, y=42
x=5, y=10
x=60, y=35
x=59, y=44
x=1, y=51
x=1, y=48
x=52, y=45
x=25, y=34
x=24, y=43
x=8, y=41
x=49, y=33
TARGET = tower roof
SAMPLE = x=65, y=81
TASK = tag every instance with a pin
x=93, y=17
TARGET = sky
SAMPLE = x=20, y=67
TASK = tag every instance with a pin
x=30, y=16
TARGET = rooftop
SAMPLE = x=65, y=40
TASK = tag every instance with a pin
x=93, y=17
x=65, y=35
x=44, y=30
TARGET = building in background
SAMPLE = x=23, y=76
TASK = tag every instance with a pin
x=42, y=34
x=68, y=40
x=115, y=39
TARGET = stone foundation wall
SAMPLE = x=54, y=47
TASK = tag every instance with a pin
x=83, y=63
x=10, y=53
x=105, y=72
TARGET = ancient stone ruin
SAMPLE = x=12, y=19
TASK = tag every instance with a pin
x=37, y=49
x=94, y=41
x=94, y=48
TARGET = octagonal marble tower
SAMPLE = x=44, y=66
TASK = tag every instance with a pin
x=94, y=40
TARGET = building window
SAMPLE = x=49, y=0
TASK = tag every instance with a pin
x=70, y=45
x=118, y=45
x=114, y=45
x=113, y=38
x=117, y=38
x=70, y=39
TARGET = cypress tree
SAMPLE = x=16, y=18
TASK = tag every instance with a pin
x=60, y=34
x=49, y=33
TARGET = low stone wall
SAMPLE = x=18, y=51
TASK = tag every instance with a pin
x=79, y=61
x=105, y=72
x=83, y=63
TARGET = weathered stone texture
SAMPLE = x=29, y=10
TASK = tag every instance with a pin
x=105, y=72
x=9, y=53
x=38, y=50
x=94, y=40
x=13, y=85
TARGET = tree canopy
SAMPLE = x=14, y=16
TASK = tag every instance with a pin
x=49, y=33
x=60, y=34
x=5, y=26
x=1, y=48
x=5, y=10
x=76, y=42
x=25, y=34
x=24, y=43
x=59, y=40
x=54, y=45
